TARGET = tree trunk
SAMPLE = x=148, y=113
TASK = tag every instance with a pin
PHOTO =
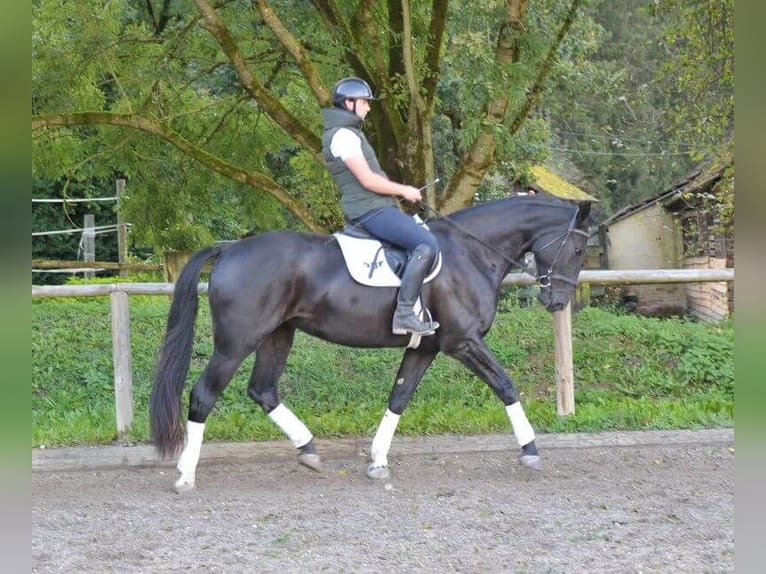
x=174, y=263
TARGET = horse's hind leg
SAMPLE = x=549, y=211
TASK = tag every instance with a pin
x=270, y=359
x=209, y=385
x=411, y=370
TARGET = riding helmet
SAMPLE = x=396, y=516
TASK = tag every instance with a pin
x=350, y=89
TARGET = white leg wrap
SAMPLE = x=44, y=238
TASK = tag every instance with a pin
x=383, y=437
x=521, y=427
x=187, y=462
x=291, y=425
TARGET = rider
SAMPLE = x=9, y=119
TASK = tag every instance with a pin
x=367, y=197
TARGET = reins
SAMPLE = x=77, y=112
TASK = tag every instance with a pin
x=545, y=279
x=470, y=234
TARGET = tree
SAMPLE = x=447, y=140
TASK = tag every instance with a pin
x=236, y=87
x=651, y=97
x=699, y=79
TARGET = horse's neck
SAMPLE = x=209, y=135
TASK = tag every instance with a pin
x=507, y=229
x=500, y=237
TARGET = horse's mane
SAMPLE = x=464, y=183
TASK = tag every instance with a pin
x=546, y=201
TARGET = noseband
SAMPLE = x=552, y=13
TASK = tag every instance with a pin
x=545, y=279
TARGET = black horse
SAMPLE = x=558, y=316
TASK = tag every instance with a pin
x=263, y=288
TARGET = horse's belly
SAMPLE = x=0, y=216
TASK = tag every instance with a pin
x=359, y=322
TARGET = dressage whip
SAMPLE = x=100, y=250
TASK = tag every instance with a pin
x=426, y=186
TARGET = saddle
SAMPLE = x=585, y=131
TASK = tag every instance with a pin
x=376, y=263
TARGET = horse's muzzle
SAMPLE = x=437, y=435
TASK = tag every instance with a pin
x=553, y=300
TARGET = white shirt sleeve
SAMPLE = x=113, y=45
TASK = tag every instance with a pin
x=345, y=144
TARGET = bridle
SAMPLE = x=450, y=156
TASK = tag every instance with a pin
x=545, y=279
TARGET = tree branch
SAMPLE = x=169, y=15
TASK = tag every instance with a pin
x=477, y=160
x=545, y=68
x=418, y=107
x=335, y=24
x=253, y=179
x=395, y=32
x=296, y=51
x=364, y=22
x=267, y=102
x=432, y=61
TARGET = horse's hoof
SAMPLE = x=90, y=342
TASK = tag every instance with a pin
x=183, y=485
x=532, y=461
x=378, y=472
x=310, y=460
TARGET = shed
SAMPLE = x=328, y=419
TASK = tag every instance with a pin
x=673, y=230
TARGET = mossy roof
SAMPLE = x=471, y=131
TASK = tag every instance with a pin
x=545, y=180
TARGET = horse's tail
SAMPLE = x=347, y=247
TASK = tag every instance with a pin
x=175, y=356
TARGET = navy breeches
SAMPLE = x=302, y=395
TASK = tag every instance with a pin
x=398, y=228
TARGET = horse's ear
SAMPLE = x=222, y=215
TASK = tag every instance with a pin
x=585, y=215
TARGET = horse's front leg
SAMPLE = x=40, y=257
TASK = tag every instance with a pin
x=475, y=355
x=411, y=370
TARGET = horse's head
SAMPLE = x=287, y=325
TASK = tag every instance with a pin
x=559, y=253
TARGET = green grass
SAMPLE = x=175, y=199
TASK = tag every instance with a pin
x=630, y=373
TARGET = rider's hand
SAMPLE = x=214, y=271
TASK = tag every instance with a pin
x=411, y=193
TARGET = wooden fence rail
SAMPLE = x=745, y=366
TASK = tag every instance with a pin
x=64, y=264
x=119, y=292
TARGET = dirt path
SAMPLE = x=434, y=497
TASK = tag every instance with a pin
x=629, y=502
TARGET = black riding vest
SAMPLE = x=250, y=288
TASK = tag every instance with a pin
x=355, y=199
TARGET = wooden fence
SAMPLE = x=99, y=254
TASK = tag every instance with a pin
x=80, y=265
x=565, y=404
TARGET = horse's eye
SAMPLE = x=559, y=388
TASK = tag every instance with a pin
x=578, y=252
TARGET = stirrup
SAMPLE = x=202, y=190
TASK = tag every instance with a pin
x=428, y=328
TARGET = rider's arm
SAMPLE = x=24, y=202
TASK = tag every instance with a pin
x=347, y=146
x=377, y=183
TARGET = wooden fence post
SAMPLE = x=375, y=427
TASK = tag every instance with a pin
x=123, y=369
x=89, y=242
x=122, y=236
x=564, y=369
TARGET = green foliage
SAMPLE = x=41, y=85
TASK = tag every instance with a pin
x=643, y=96
x=685, y=356
x=174, y=74
x=631, y=373
x=699, y=77
x=636, y=95
x=310, y=183
x=92, y=56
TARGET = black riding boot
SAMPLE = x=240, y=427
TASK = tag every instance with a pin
x=405, y=319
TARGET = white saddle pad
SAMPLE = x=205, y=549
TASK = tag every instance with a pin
x=368, y=265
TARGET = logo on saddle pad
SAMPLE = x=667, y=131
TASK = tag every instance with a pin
x=373, y=263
